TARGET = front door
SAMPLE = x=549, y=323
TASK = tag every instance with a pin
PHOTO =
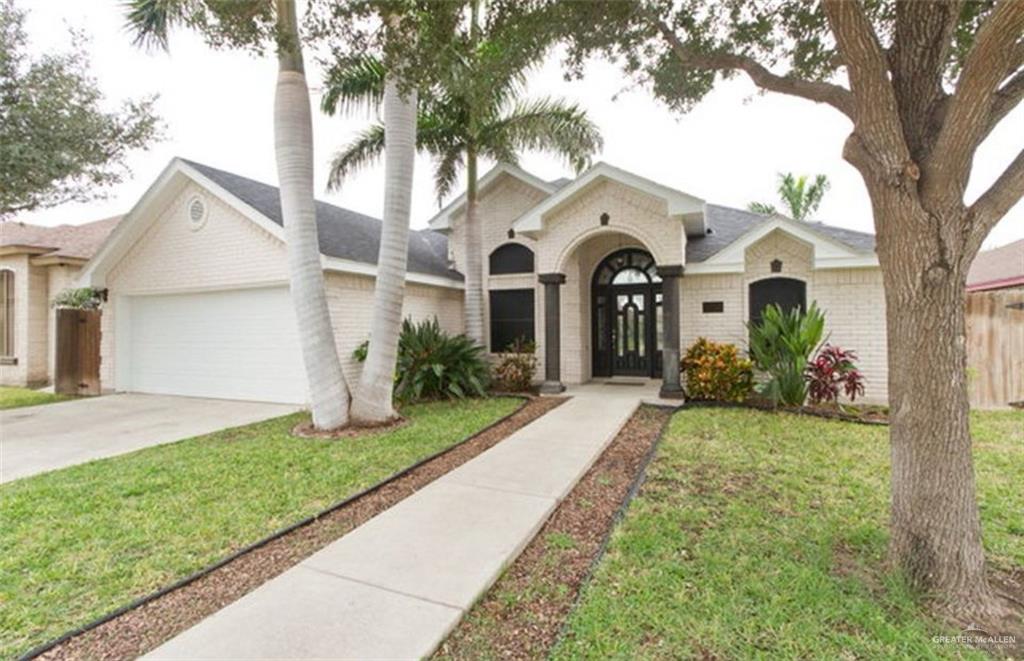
x=626, y=316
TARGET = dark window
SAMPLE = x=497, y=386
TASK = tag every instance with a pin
x=713, y=306
x=787, y=293
x=511, y=317
x=511, y=258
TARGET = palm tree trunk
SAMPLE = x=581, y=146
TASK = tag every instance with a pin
x=293, y=149
x=373, y=402
x=474, y=295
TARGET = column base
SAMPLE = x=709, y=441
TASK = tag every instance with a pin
x=671, y=391
x=551, y=388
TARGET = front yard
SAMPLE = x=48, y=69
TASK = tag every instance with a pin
x=762, y=535
x=80, y=542
x=12, y=398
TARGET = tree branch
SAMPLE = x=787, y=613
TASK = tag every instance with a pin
x=993, y=204
x=820, y=92
x=968, y=117
x=1006, y=99
x=876, y=112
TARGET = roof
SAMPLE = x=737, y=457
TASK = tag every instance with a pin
x=997, y=268
x=342, y=233
x=442, y=220
x=726, y=225
x=73, y=242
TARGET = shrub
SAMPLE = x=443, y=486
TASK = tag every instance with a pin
x=716, y=371
x=433, y=364
x=517, y=367
x=831, y=368
x=781, y=346
x=84, y=298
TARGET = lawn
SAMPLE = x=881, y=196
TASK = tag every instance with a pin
x=79, y=542
x=12, y=398
x=761, y=535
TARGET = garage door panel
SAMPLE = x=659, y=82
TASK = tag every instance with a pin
x=238, y=344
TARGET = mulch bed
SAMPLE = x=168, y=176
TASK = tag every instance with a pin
x=866, y=414
x=523, y=614
x=144, y=628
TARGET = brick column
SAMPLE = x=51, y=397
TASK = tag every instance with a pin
x=552, y=333
x=670, y=385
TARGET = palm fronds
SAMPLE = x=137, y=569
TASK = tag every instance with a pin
x=352, y=85
x=361, y=152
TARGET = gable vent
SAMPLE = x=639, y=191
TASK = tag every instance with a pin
x=196, y=209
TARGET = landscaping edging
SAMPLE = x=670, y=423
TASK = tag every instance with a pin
x=523, y=615
x=274, y=549
x=803, y=410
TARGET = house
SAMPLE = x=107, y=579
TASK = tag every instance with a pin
x=36, y=264
x=603, y=271
x=999, y=268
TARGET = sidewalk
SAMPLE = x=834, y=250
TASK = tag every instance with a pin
x=397, y=585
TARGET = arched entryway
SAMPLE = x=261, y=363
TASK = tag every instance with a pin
x=626, y=315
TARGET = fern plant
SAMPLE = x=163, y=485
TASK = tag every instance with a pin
x=780, y=346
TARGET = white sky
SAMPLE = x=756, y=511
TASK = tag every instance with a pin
x=217, y=106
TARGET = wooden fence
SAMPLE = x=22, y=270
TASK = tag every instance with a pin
x=995, y=347
x=78, y=352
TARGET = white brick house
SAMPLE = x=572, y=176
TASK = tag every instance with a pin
x=606, y=272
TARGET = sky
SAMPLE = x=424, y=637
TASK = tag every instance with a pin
x=217, y=108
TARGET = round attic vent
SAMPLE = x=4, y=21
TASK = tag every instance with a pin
x=196, y=209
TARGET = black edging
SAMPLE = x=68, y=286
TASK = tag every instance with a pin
x=841, y=417
x=620, y=513
x=195, y=576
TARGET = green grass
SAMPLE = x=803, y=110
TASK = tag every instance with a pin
x=12, y=398
x=761, y=535
x=79, y=542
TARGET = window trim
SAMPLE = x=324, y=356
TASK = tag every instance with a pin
x=531, y=336
x=8, y=301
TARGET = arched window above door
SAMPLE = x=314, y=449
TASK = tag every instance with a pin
x=631, y=266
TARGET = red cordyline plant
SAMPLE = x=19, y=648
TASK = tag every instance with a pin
x=833, y=368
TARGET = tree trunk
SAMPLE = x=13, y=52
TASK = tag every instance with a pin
x=293, y=149
x=935, y=527
x=474, y=295
x=373, y=401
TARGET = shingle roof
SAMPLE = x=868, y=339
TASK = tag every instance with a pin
x=70, y=241
x=343, y=233
x=997, y=267
x=728, y=224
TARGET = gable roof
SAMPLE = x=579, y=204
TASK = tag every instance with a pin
x=343, y=233
x=727, y=225
x=442, y=220
x=685, y=207
x=59, y=243
x=997, y=268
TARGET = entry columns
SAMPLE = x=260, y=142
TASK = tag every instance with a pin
x=670, y=386
x=552, y=333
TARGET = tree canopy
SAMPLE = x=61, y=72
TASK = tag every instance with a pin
x=800, y=196
x=58, y=141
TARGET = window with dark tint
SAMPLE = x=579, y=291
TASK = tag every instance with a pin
x=511, y=317
x=787, y=293
x=511, y=258
x=6, y=313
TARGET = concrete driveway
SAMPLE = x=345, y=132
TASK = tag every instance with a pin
x=37, y=439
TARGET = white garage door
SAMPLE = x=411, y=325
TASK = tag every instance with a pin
x=237, y=344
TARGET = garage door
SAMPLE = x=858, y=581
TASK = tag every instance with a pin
x=237, y=344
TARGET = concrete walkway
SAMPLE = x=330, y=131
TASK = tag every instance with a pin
x=396, y=586
x=36, y=439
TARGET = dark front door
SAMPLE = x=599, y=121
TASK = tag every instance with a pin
x=626, y=316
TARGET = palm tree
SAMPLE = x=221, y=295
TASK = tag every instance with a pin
x=293, y=148
x=472, y=111
x=800, y=199
x=373, y=398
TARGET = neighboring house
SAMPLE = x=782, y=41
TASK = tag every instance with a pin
x=995, y=327
x=198, y=302
x=36, y=264
x=999, y=268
